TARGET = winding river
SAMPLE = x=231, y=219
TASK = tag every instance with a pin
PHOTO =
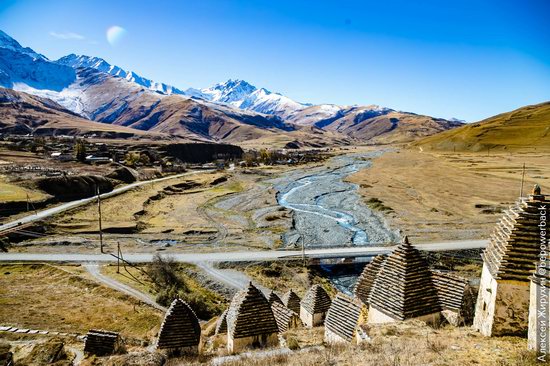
x=328, y=211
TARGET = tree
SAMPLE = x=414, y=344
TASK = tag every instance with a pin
x=80, y=151
x=131, y=158
x=144, y=159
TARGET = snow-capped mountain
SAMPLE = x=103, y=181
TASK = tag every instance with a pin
x=232, y=111
x=11, y=44
x=237, y=93
x=21, y=65
x=243, y=95
x=76, y=61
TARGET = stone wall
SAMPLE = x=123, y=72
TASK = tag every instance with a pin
x=312, y=320
x=375, y=316
x=257, y=341
x=502, y=306
x=534, y=325
x=485, y=306
x=333, y=338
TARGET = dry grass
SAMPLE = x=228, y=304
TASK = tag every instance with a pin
x=41, y=296
x=524, y=129
x=159, y=213
x=135, y=278
x=10, y=192
x=405, y=344
x=284, y=276
x=449, y=196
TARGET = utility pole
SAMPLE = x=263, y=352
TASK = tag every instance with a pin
x=303, y=251
x=522, y=181
x=99, y=212
x=28, y=203
x=119, y=254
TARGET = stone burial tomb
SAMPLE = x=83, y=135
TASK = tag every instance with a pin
x=285, y=317
x=180, y=332
x=365, y=281
x=456, y=297
x=102, y=343
x=405, y=278
x=273, y=297
x=343, y=321
x=221, y=324
x=291, y=301
x=403, y=288
x=509, y=260
x=314, y=306
x=250, y=321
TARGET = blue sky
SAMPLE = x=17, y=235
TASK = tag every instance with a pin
x=464, y=59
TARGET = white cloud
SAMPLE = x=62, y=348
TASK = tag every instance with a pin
x=67, y=35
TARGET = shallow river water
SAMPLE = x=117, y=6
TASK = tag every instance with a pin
x=328, y=211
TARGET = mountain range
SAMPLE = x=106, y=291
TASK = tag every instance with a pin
x=90, y=88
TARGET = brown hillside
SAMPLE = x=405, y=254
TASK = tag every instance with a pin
x=21, y=113
x=371, y=123
x=526, y=128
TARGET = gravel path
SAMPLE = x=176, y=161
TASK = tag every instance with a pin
x=94, y=270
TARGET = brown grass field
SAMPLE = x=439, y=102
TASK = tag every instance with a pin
x=446, y=196
x=525, y=129
x=44, y=297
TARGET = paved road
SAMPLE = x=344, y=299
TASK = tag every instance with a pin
x=268, y=255
x=40, y=215
x=94, y=270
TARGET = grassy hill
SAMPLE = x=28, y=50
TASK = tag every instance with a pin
x=526, y=129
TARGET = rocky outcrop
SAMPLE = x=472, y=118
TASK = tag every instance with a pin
x=203, y=152
x=68, y=188
x=124, y=174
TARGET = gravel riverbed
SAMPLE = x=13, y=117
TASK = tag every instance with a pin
x=327, y=210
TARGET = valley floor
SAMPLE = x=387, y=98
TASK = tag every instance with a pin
x=446, y=196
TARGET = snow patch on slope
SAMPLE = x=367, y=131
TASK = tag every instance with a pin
x=76, y=61
x=241, y=94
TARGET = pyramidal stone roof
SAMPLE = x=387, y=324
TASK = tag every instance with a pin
x=180, y=327
x=273, y=297
x=450, y=290
x=343, y=316
x=403, y=288
x=514, y=247
x=250, y=314
x=292, y=301
x=284, y=316
x=316, y=300
x=101, y=342
x=221, y=324
x=365, y=281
